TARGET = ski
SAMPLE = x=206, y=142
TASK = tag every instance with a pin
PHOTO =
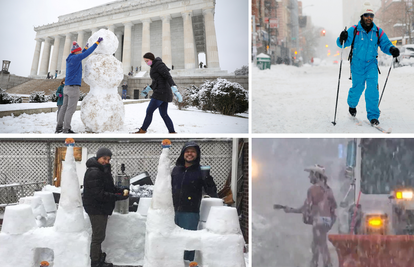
x=379, y=128
x=356, y=120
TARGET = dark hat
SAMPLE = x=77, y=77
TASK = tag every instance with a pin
x=149, y=55
x=75, y=47
x=103, y=151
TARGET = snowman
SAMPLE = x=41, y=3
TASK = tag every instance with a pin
x=102, y=109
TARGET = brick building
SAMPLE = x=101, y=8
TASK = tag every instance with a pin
x=275, y=28
x=396, y=19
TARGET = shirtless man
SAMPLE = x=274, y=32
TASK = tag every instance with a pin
x=318, y=210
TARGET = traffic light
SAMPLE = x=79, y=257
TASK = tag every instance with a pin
x=323, y=32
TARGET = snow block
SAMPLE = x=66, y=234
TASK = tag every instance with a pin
x=18, y=220
x=48, y=200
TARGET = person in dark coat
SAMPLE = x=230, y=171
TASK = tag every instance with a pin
x=59, y=94
x=99, y=197
x=163, y=87
x=188, y=182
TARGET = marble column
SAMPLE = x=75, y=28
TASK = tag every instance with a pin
x=36, y=57
x=166, y=40
x=145, y=42
x=111, y=28
x=66, y=52
x=53, y=63
x=44, y=64
x=81, y=36
x=189, y=46
x=126, y=56
x=212, y=56
x=118, y=54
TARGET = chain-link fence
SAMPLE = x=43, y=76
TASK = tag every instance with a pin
x=24, y=161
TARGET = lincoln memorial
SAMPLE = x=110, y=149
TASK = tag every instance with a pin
x=177, y=31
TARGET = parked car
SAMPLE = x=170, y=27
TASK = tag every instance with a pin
x=406, y=57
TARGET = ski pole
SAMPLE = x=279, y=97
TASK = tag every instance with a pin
x=386, y=80
x=339, y=80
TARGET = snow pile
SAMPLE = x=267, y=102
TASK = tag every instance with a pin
x=102, y=109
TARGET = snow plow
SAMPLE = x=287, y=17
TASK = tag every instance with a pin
x=376, y=216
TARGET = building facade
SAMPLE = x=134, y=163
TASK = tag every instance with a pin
x=177, y=31
x=275, y=28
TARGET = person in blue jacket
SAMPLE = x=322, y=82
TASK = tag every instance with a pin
x=364, y=63
x=188, y=182
x=72, y=85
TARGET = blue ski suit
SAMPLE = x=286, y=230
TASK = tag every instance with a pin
x=364, y=66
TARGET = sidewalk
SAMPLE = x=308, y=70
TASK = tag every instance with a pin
x=13, y=109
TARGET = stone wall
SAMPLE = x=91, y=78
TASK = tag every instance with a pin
x=182, y=82
x=8, y=81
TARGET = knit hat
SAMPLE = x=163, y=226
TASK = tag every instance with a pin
x=75, y=47
x=367, y=8
x=103, y=151
x=149, y=55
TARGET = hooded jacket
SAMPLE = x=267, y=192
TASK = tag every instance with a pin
x=99, y=194
x=188, y=183
x=161, y=81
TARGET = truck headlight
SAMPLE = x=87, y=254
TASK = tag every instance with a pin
x=404, y=195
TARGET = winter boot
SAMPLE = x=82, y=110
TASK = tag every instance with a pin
x=374, y=122
x=140, y=131
x=102, y=261
x=352, y=111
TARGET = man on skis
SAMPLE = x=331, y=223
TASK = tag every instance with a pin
x=364, y=40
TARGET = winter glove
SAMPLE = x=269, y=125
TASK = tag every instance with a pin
x=60, y=95
x=144, y=92
x=177, y=93
x=100, y=39
x=343, y=37
x=86, y=46
x=395, y=52
x=119, y=196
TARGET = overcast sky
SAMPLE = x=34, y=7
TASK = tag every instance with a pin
x=18, y=19
x=326, y=14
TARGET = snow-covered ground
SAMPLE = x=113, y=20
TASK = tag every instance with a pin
x=288, y=99
x=186, y=121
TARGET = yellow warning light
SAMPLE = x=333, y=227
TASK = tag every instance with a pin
x=296, y=52
x=326, y=45
x=375, y=222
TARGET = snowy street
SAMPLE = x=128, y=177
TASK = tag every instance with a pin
x=186, y=121
x=288, y=99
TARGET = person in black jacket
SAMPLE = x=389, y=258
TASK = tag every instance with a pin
x=99, y=197
x=163, y=87
x=188, y=182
